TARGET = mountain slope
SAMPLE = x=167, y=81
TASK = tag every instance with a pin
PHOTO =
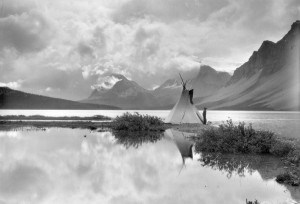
x=124, y=93
x=117, y=90
x=269, y=80
x=168, y=93
x=13, y=99
x=209, y=81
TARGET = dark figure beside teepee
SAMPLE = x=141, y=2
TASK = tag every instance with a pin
x=204, y=116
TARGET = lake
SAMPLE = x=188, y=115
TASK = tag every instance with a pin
x=284, y=123
x=62, y=165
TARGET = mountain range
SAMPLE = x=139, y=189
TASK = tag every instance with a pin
x=13, y=99
x=128, y=94
x=269, y=80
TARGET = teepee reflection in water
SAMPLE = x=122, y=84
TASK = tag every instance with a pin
x=184, y=145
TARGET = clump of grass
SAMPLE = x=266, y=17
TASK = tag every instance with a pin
x=281, y=148
x=290, y=178
x=293, y=157
x=252, y=202
x=230, y=138
x=136, y=139
x=137, y=122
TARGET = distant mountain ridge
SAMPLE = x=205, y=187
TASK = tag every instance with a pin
x=209, y=81
x=13, y=99
x=128, y=94
x=124, y=93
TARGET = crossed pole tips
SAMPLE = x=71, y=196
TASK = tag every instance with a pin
x=183, y=83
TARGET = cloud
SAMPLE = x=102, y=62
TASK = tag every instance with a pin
x=106, y=82
x=13, y=85
x=27, y=32
x=168, y=11
x=72, y=45
x=23, y=182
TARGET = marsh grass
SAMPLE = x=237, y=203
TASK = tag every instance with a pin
x=137, y=122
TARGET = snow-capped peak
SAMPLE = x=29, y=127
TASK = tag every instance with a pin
x=106, y=83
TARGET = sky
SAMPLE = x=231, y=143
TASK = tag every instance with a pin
x=65, y=48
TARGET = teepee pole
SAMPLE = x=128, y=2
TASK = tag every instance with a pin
x=181, y=79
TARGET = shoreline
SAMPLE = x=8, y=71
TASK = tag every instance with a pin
x=7, y=125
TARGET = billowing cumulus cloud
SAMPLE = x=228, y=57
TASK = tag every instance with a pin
x=64, y=48
x=27, y=32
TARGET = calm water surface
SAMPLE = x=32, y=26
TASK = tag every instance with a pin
x=286, y=124
x=63, y=165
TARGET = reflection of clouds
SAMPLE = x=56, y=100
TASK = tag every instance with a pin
x=61, y=166
x=145, y=176
x=23, y=182
x=124, y=199
x=12, y=134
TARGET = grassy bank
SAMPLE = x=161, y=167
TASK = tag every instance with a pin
x=12, y=125
x=243, y=139
x=40, y=117
x=127, y=122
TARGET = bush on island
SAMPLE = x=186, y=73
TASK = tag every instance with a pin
x=230, y=138
x=137, y=122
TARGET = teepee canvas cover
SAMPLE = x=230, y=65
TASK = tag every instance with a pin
x=184, y=111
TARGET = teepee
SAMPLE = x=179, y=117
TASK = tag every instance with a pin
x=184, y=111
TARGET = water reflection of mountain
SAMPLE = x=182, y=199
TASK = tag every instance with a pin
x=268, y=167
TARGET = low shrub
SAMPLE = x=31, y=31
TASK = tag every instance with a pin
x=288, y=178
x=252, y=202
x=281, y=148
x=137, y=122
x=230, y=138
x=293, y=157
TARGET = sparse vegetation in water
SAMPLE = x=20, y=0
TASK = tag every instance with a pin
x=230, y=138
x=137, y=122
x=289, y=177
x=137, y=138
x=252, y=202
